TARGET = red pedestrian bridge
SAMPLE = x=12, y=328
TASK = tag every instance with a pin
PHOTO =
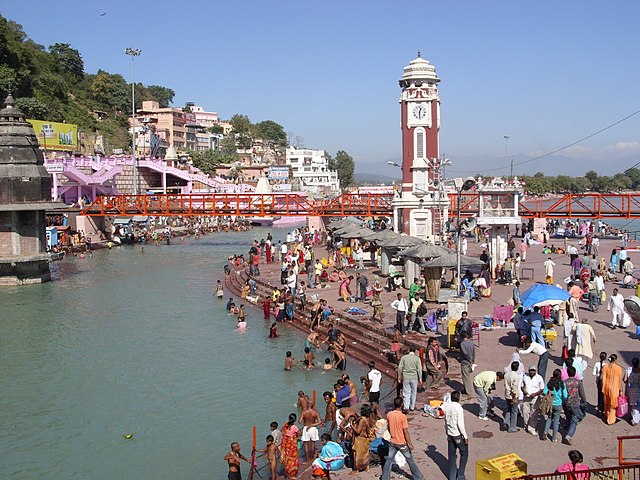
x=571, y=205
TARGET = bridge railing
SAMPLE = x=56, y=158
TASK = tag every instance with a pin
x=590, y=205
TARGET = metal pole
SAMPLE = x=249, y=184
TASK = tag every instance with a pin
x=506, y=147
x=133, y=53
x=133, y=123
x=458, y=230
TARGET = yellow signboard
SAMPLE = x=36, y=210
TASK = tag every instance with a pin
x=55, y=135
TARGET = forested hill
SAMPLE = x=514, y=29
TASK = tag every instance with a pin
x=50, y=83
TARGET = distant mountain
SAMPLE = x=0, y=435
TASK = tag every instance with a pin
x=489, y=166
x=375, y=179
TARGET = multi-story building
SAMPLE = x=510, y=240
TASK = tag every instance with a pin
x=170, y=125
x=311, y=169
x=204, y=118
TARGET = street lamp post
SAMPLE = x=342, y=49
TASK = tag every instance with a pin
x=398, y=227
x=506, y=151
x=461, y=186
x=133, y=53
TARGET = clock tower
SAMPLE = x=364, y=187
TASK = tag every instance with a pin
x=422, y=206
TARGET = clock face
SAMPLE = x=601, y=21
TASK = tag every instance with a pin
x=419, y=111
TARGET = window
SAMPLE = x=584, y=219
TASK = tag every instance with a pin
x=419, y=143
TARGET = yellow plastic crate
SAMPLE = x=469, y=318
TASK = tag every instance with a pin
x=502, y=467
x=549, y=334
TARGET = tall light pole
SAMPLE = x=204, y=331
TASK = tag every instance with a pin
x=506, y=151
x=133, y=53
x=461, y=186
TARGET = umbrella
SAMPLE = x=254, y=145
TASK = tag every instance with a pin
x=344, y=222
x=449, y=260
x=401, y=242
x=424, y=250
x=381, y=236
x=541, y=294
x=351, y=232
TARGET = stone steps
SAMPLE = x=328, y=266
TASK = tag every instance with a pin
x=365, y=341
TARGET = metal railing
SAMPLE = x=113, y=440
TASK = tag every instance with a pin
x=627, y=469
x=622, y=472
x=621, y=457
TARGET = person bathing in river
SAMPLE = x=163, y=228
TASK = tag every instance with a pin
x=309, y=358
x=219, y=290
x=273, y=331
x=266, y=307
x=289, y=362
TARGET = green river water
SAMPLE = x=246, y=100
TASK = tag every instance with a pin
x=129, y=343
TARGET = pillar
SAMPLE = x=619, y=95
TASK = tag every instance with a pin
x=384, y=262
x=497, y=246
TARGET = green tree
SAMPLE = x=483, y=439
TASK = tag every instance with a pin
x=331, y=163
x=240, y=124
x=67, y=60
x=564, y=183
x=242, y=129
x=228, y=147
x=8, y=81
x=634, y=176
x=32, y=108
x=208, y=160
x=162, y=95
x=537, y=185
x=216, y=129
x=592, y=178
x=345, y=168
x=273, y=131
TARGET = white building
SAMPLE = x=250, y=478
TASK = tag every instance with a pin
x=311, y=168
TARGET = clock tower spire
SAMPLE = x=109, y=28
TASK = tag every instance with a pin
x=422, y=207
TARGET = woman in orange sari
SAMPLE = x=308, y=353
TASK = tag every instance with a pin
x=611, y=388
x=290, y=434
x=363, y=430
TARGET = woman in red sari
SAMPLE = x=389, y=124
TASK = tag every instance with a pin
x=290, y=434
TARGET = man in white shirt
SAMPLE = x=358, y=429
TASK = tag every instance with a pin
x=532, y=386
x=292, y=281
x=595, y=246
x=374, y=378
x=539, y=350
x=599, y=286
x=283, y=251
x=548, y=270
x=401, y=307
x=616, y=307
x=457, y=438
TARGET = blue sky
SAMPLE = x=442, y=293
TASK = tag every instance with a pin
x=546, y=73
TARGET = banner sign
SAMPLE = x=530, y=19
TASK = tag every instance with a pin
x=55, y=135
x=278, y=173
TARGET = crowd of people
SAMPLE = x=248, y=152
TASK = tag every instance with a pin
x=547, y=403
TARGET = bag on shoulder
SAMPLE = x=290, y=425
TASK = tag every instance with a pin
x=546, y=403
x=422, y=310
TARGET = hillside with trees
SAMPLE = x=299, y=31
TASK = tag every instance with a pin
x=50, y=83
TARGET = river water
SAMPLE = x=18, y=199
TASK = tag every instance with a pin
x=135, y=343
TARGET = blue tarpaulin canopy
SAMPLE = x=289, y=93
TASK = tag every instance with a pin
x=541, y=294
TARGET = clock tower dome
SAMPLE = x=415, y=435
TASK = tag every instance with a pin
x=421, y=208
